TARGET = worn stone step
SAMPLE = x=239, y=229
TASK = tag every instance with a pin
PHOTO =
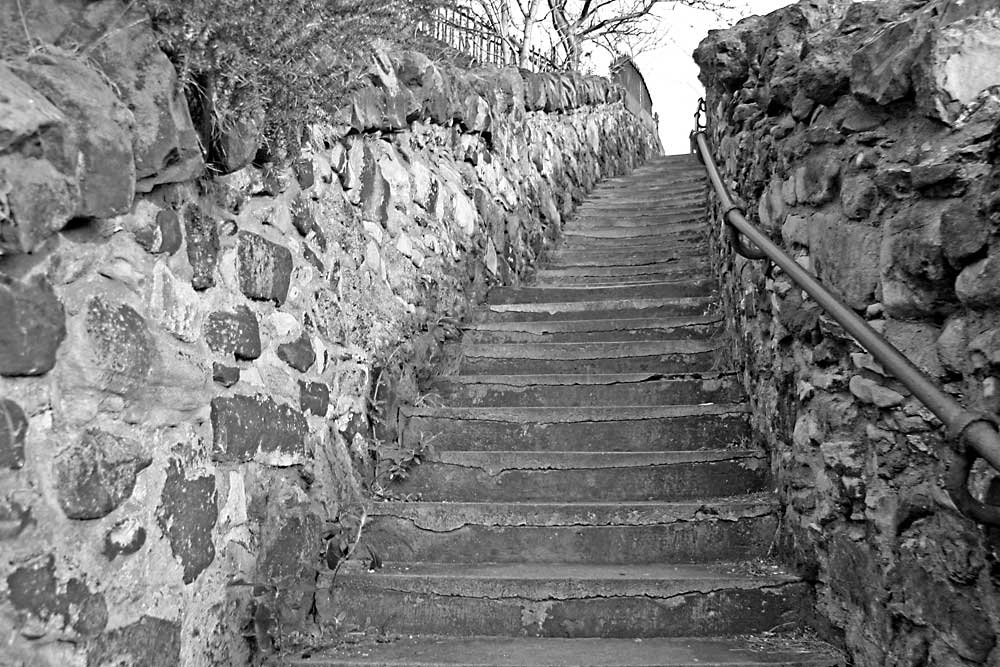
x=539, y=652
x=592, y=275
x=631, y=226
x=586, y=532
x=561, y=331
x=663, y=242
x=592, y=429
x=639, y=218
x=623, y=257
x=598, y=309
x=518, y=476
x=563, y=600
x=591, y=389
x=660, y=356
x=626, y=205
x=549, y=294
x=632, y=236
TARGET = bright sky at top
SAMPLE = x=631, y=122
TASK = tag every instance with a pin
x=670, y=72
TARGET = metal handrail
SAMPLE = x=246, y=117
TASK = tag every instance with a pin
x=974, y=434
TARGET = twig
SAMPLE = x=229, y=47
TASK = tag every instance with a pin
x=24, y=24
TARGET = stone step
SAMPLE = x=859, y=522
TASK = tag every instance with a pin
x=592, y=429
x=549, y=294
x=623, y=256
x=596, y=390
x=586, y=532
x=638, y=218
x=537, y=652
x=666, y=244
x=662, y=272
x=570, y=476
x=656, y=356
x=631, y=236
x=606, y=330
x=598, y=309
x=627, y=204
x=563, y=600
x=632, y=225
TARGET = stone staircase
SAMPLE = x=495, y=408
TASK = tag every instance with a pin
x=592, y=497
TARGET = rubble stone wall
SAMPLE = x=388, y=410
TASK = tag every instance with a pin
x=864, y=139
x=187, y=358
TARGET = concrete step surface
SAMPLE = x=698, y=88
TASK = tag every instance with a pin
x=594, y=331
x=566, y=600
x=576, y=428
x=499, y=476
x=566, y=532
x=531, y=652
x=569, y=390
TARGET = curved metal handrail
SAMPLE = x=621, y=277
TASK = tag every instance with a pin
x=974, y=434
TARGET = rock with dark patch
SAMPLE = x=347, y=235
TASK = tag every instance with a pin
x=43, y=191
x=304, y=220
x=249, y=428
x=290, y=540
x=235, y=143
x=227, y=376
x=163, y=236
x=123, y=347
x=13, y=429
x=978, y=285
x=165, y=144
x=14, y=518
x=32, y=327
x=96, y=474
x=314, y=397
x=202, y=246
x=299, y=354
x=149, y=642
x=102, y=124
x=236, y=333
x=313, y=259
x=265, y=268
x=964, y=233
x=187, y=515
x=34, y=590
x=304, y=173
x=124, y=538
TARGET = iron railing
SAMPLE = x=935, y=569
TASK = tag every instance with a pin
x=464, y=30
x=973, y=434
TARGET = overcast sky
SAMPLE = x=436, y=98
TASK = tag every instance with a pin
x=671, y=74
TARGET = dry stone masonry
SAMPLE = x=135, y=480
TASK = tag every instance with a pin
x=187, y=357
x=863, y=138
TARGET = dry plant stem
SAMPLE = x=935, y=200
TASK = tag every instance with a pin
x=354, y=545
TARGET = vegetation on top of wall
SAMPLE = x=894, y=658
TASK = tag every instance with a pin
x=275, y=66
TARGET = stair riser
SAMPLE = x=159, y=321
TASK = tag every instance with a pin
x=615, y=220
x=679, y=392
x=702, y=362
x=661, y=242
x=676, y=268
x=682, y=481
x=649, y=224
x=693, y=332
x=682, y=308
x=661, y=434
x=683, y=541
x=670, y=290
x=566, y=258
x=364, y=603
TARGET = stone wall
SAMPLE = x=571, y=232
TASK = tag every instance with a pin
x=863, y=138
x=187, y=359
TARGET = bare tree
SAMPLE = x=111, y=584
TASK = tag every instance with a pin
x=616, y=25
